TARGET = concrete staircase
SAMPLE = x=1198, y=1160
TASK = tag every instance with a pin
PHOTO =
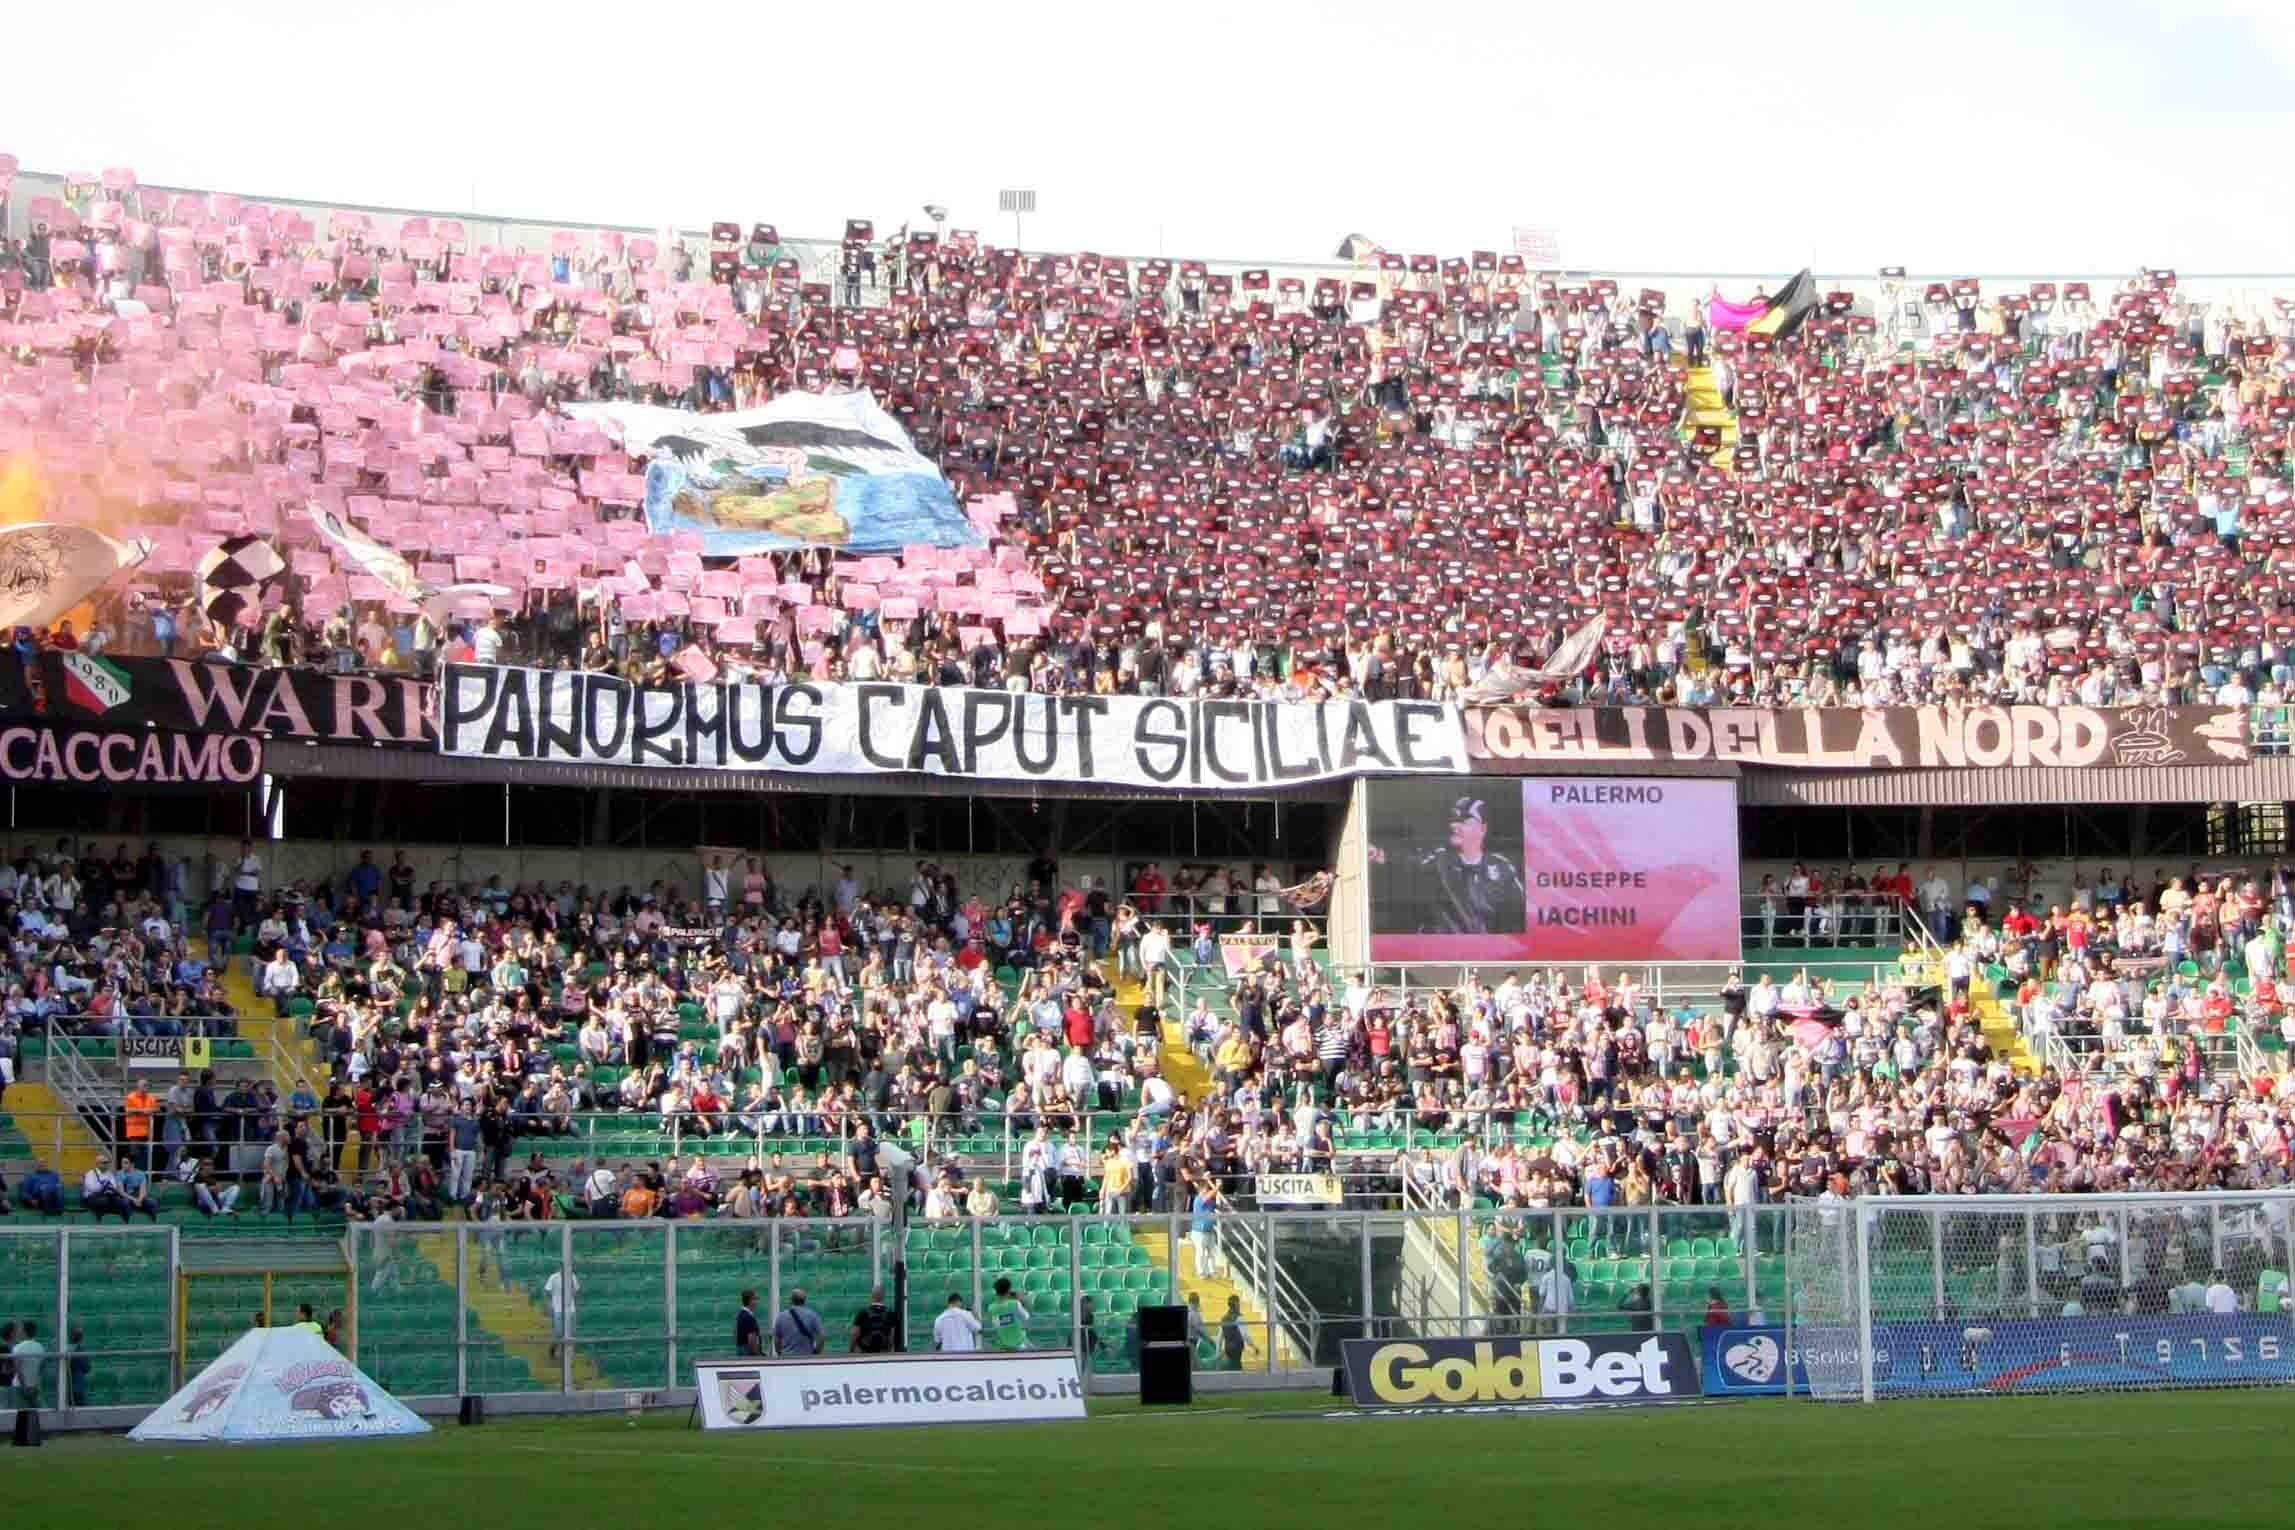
x=1270, y=1349
x=2001, y=1031
x=1707, y=408
x=272, y=1035
x=1182, y=1069
x=505, y=1310
x=40, y=1115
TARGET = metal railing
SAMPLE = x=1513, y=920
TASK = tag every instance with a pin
x=106, y=1301
x=77, y=1084
x=1839, y=921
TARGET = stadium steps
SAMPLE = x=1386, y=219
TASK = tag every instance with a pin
x=1182, y=1069
x=1211, y=1293
x=2001, y=1032
x=504, y=1309
x=271, y=1034
x=1707, y=408
x=41, y=1108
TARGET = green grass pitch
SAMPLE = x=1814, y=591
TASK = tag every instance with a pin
x=2141, y=1459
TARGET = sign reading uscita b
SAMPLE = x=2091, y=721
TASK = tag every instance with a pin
x=827, y=728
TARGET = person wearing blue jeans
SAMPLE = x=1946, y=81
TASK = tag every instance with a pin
x=43, y=1191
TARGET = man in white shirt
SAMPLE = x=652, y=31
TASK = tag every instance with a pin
x=246, y=883
x=2220, y=1296
x=1155, y=959
x=955, y=1331
x=486, y=642
x=603, y=1190
x=562, y=1291
x=30, y=1356
x=281, y=978
x=1936, y=904
x=1557, y=1297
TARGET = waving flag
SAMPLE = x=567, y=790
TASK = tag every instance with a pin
x=383, y=563
x=807, y=470
x=1776, y=316
x=47, y=569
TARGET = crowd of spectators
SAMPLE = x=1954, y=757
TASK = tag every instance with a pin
x=97, y=943
x=1381, y=480
x=858, y=1047
x=463, y=1021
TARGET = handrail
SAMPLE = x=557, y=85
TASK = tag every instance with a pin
x=1247, y=1255
x=1428, y=1218
x=77, y=1084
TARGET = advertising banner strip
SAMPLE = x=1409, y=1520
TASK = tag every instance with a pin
x=1414, y=1373
x=200, y=696
x=828, y=728
x=984, y=1387
x=1199, y=745
x=1757, y=1362
x=105, y=758
x=1521, y=740
x=2046, y=1354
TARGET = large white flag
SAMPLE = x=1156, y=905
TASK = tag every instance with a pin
x=385, y=564
x=46, y=569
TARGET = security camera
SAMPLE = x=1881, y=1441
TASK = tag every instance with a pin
x=936, y=211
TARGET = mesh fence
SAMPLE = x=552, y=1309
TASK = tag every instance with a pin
x=2043, y=1294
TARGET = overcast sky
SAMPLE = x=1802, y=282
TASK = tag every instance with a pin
x=2018, y=136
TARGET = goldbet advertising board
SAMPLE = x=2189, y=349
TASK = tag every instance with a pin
x=1458, y=1373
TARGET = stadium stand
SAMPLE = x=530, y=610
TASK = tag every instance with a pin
x=1383, y=480
x=522, y=1054
x=1395, y=480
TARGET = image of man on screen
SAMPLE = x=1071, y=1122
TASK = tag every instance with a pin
x=1465, y=887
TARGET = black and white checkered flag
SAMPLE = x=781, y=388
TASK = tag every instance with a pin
x=232, y=577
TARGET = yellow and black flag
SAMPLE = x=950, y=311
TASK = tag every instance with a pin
x=1793, y=303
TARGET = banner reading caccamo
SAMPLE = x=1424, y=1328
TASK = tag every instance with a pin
x=835, y=729
x=1555, y=869
x=1469, y=1372
x=109, y=757
x=984, y=1387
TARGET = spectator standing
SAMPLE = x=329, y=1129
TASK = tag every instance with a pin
x=873, y=1326
x=748, y=1332
x=1008, y=1319
x=956, y=1331
x=30, y=1356
x=797, y=1329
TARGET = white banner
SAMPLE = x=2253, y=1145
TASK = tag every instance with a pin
x=984, y=1387
x=568, y=717
x=1299, y=1190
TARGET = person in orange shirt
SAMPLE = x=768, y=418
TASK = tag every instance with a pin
x=142, y=1107
x=640, y=1200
